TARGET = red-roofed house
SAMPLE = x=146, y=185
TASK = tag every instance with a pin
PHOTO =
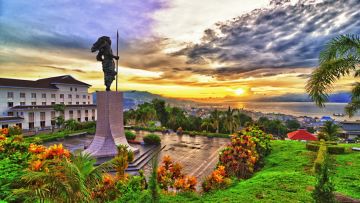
x=301, y=134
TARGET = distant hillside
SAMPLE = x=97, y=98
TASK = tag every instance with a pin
x=134, y=98
x=341, y=97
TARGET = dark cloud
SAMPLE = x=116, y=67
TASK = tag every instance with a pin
x=282, y=37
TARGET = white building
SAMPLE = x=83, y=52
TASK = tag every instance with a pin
x=29, y=104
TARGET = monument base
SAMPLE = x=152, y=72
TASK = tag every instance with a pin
x=109, y=126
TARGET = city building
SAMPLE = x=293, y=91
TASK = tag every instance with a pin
x=30, y=104
x=350, y=129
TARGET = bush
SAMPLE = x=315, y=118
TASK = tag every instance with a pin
x=312, y=147
x=130, y=135
x=336, y=149
x=217, y=180
x=324, y=188
x=320, y=159
x=152, y=139
x=15, y=130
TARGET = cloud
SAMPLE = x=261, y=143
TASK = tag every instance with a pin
x=282, y=37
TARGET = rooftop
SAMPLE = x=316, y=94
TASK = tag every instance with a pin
x=45, y=83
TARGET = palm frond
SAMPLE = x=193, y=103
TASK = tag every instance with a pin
x=340, y=47
x=323, y=77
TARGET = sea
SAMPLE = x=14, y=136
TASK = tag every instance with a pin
x=295, y=109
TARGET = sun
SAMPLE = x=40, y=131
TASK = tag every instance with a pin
x=239, y=91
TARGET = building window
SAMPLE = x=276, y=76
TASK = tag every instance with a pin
x=70, y=88
x=75, y=89
x=77, y=96
x=53, y=115
x=53, y=96
x=86, y=119
x=5, y=126
x=10, y=113
x=84, y=102
x=33, y=103
x=79, y=119
x=21, y=113
x=88, y=102
x=77, y=102
x=71, y=114
x=10, y=104
x=43, y=95
x=43, y=103
x=93, y=118
x=33, y=95
x=69, y=103
x=69, y=96
x=31, y=116
x=42, y=116
x=22, y=103
x=79, y=113
x=52, y=103
x=22, y=95
x=31, y=125
x=84, y=96
x=42, y=124
x=61, y=102
x=10, y=95
x=61, y=96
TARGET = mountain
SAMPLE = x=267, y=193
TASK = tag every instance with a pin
x=133, y=98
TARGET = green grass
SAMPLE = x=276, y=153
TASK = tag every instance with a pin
x=57, y=135
x=286, y=177
x=347, y=173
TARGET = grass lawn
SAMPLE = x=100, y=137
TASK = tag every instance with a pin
x=286, y=177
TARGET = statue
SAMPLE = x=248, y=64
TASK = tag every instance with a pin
x=105, y=55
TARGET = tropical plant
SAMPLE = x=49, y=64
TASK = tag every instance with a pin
x=153, y=181
x=206, y=123
x=71, y=124
x=242, y=119
x=215, y=117
x=216, y=180
x=230, y=121
x=121, y=161
x=160, y=109
x=324, y=188
x=130, y=135
x=330, y=130
x=292, y=125
x=340, y=57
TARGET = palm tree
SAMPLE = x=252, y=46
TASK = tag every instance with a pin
x=340, y=57
x=330, y=130
x=215, y=118
x=230, y=121
x=206, y=123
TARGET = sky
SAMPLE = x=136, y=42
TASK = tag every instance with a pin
x=201, y=49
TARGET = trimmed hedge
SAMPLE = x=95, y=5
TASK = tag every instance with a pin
x=152, y=139
x=321, y=157
x=336, y=149
x=130, y=135
x=312, y=147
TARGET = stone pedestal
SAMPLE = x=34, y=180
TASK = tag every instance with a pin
x=109, y=125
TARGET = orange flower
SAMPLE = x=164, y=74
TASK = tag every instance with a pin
x=36, y=165
x=5, y=131
x=56, y=151
x=179, y=183
x=108, y=179
x=167, y=160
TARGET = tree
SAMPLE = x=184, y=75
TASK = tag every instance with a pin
x=242, y=119
x=324, y=188
x=206, y=123
x=229, y=120
x=153, y=183
x=340, y=57
x=177, y=118
x=330, y=130
x=292, y=125
x=275, y=127
x=145, y=113
x=215, y=119
x=60, y=119
x=71, y=124
x=160, y=109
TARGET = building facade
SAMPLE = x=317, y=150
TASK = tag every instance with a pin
x=30, y=104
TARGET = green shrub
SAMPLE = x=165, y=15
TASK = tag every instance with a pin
x=336, y=149
x=312, y=147
x=152, y=139
x=320, y=159
x=130, y=135
x=15, y=130
x=324, y=188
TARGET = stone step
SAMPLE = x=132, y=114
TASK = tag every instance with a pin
x=145, y=160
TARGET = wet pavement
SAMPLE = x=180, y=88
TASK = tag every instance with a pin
x=197, y=154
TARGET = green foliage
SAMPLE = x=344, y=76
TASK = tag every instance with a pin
x=160, y=109
x=339, y=58
x=275, y=127
x=152, y=139
x=292, y=125
x=336, y=149
x=131, y=191
x=153, y=184
x=321, y=157
x=312, y=147
x=14, y=130
x=71, y=124
x=130, y=135
x=330, y=130
x=324, y=188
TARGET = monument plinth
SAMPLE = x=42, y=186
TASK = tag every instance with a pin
x=109, y=125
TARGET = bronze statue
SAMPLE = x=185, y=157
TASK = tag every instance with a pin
x=105, y=55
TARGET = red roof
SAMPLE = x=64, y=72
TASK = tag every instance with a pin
x=301, y=134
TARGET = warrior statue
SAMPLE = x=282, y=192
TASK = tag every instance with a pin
x=105, y=55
